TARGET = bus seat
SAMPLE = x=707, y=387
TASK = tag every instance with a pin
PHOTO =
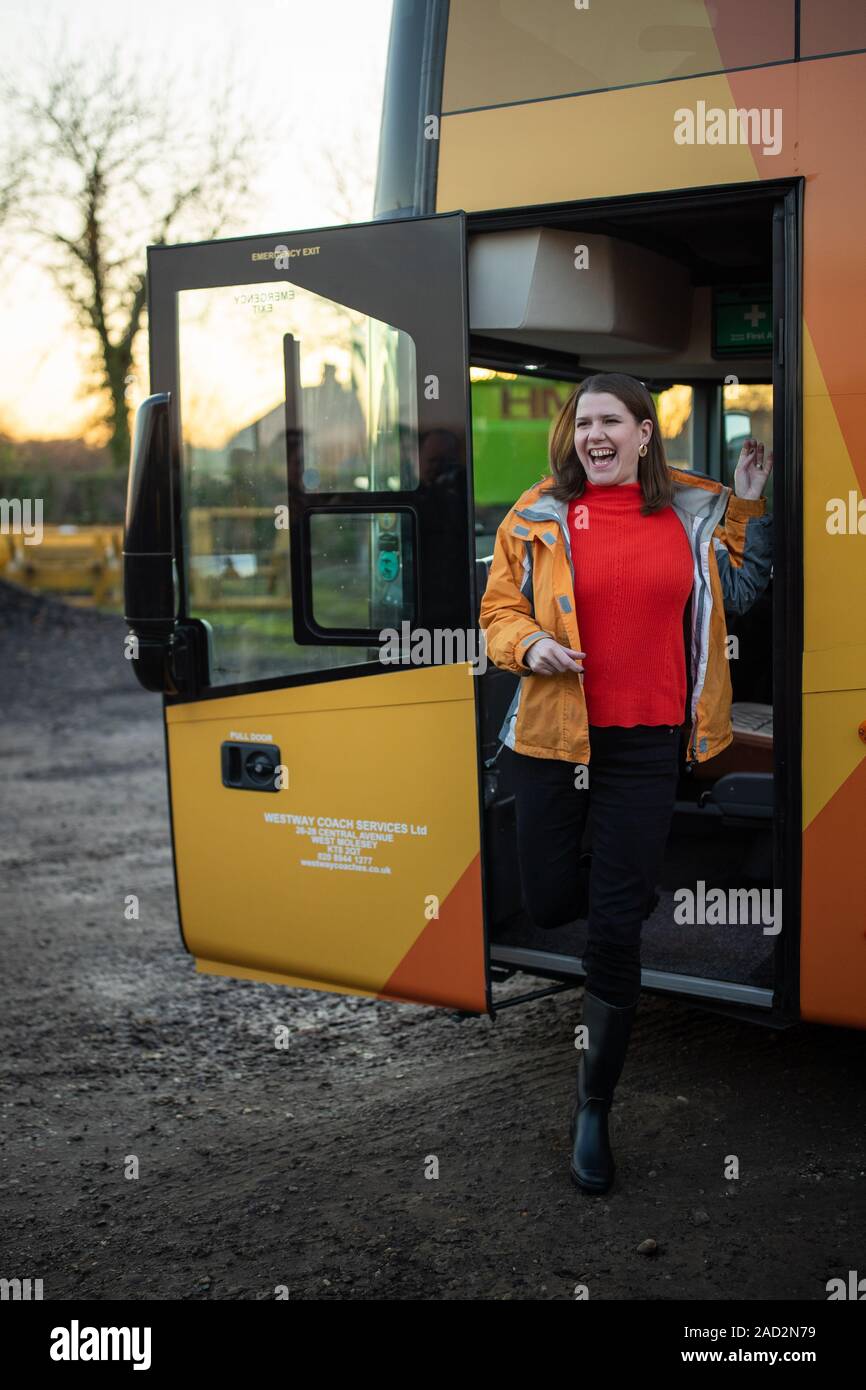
x=752, y=747
x=743, y=796
x=752, y=723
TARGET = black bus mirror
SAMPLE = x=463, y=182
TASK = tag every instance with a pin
x=149, y=603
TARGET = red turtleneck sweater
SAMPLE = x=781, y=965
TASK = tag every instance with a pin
x=632, y=580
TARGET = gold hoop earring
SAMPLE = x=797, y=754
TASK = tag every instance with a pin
x=642, y=451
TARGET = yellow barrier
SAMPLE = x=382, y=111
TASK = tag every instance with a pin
x=80, y=563
x=83, y=564
x=223, y=589
x=7, y=551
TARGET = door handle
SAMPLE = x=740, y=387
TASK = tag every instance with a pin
x=250, y=767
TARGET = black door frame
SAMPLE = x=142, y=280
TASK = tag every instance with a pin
x=784, y=200
x=446, y=595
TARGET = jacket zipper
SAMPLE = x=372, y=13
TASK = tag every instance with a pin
x=711, y=516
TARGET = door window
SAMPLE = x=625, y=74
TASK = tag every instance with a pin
x=363, y=570
x=284, y=391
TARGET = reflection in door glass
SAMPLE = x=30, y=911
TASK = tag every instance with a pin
x=363, y=569
x=280, y=390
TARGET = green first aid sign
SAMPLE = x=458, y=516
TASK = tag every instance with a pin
x=742, y=321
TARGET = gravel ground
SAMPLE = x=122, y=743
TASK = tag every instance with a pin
x=305, y=1168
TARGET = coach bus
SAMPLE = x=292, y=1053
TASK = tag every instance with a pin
x=341, y=417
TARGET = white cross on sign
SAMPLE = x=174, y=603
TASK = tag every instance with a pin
x=755, y=315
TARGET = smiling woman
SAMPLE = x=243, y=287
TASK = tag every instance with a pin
x=608, y=585
x=603, y=433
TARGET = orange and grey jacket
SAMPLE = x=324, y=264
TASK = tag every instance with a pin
x=530, y=595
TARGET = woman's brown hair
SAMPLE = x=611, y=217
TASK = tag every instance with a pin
x=568, y=472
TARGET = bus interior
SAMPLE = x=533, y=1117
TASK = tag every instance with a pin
x=683, y=300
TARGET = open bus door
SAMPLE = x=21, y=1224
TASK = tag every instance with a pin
x=299, y=486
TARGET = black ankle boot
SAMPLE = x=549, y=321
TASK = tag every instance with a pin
x=608, y=1028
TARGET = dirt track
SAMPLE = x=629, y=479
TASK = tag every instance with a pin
x=305, y=1167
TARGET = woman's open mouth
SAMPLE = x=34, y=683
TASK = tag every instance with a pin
x=602, y=458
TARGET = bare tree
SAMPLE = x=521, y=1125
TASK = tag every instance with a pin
x=10, y=182
x=12, y=167
x=343, y=167
x=114, y=164
x=346, y=177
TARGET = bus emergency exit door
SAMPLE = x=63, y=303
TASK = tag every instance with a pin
x=324, y=783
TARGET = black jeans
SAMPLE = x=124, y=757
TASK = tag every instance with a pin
x=631, y=788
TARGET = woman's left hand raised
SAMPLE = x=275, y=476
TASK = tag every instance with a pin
x=751, y=472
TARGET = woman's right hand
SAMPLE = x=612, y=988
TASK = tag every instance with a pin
x=547, y=658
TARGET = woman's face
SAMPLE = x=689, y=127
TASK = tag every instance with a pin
x=607, y=438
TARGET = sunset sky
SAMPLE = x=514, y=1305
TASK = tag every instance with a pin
x=313, y=72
